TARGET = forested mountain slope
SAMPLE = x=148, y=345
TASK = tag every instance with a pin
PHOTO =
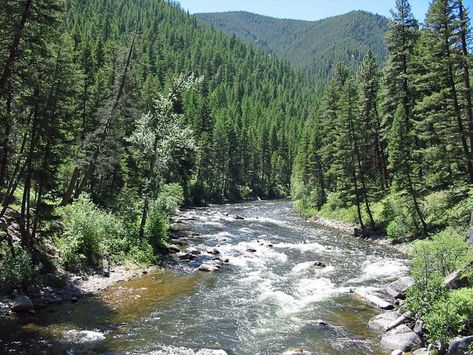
x=117, y=99
x=315, y=46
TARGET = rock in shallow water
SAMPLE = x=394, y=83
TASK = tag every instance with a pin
x=401, y=338
x=207, y=268
x=22, y=304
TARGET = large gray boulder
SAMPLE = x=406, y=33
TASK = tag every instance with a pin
x=401, y=338
x=21, y=304
x=398, y=288
x=461, y=346
x=383, y=320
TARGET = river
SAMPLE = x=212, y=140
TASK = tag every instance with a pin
x=267, y=299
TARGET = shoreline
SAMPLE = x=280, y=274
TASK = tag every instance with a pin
x=349, y=229
x=75, y=287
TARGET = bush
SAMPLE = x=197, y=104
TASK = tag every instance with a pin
x=88, y=233
x=445, y=313
x=17, y=269
x=170, y=198
x=450, y=316
x=400, y=218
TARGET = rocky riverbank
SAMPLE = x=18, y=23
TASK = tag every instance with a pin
x=69, y=288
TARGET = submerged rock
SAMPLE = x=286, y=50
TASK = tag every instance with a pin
x=251, y=250
x=21, y=304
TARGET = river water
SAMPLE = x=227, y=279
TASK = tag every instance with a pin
x=266, y=300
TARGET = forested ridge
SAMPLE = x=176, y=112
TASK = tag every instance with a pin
x=390, y=149
x=123, y=110
x=315, y=47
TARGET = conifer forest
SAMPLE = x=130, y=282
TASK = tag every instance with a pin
x=208, y=151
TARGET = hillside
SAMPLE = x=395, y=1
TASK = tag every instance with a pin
x=312, y=45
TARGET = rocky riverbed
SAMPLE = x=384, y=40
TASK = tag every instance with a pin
x=243, y=279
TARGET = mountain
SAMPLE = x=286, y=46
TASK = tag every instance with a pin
x=315, y=46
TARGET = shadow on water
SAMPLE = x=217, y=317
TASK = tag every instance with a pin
x=95, y=324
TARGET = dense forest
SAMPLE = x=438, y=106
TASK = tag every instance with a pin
x=115, y=113
x=107, y=103
x=313, y=46
x=390, y=149
x=401, y=134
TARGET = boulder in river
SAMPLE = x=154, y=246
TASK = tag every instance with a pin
x=398, y=288
x=193, y=251
x=319, y=264
x=383, y=320
x=251, y=250
x=401, y=338
x=21, y=304
x=213, y=251
x=207, y=268
x=173, y=248
x=187, y=256
x=460, y=346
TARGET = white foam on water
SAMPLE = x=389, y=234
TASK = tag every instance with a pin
x=385, y=269
x=303, y=246
x=213, y=224
x=266, y=220
x=83, y=336
x=173, y=350
x=309, y=267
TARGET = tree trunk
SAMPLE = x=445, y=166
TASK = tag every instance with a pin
x=6, y=142
x=456, y=106
x=466, y=72
x=13, y=49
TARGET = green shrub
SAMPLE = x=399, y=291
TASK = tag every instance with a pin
x=142, y=254
x=449, y=316
x=157, y=226
x=400, y=218
x=17, y=269
x=443, y=254
x=170, y=198
x=436, y=206
x=88, y=233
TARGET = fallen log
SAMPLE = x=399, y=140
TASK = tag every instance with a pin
x=375, y=300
